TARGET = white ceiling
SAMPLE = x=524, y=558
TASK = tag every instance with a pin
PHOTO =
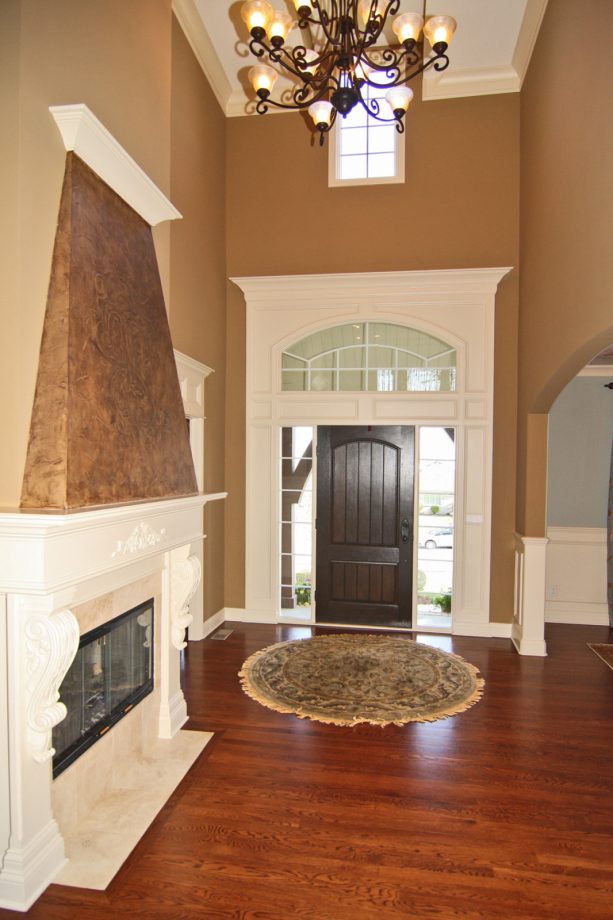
x=490, y=51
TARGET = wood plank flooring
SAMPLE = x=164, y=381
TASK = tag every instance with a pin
x=504, y=812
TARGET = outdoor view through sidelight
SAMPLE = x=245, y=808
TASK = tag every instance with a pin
x=436, y=477
x=296, y=520
x=433, y=518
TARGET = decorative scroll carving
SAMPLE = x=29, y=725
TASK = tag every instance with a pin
x=184, y=579
x=51, y=644
x=141, y=538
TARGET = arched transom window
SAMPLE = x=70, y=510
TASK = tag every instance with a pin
x=381, y=357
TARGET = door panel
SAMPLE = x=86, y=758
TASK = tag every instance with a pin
x=365, y=525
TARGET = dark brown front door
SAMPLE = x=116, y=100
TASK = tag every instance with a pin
x=364, y=525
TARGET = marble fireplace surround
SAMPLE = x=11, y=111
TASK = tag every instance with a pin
x=49, y=564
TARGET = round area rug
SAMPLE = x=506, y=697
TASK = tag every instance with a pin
x=347, y=679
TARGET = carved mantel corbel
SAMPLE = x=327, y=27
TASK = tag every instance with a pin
x=185, y=577
x=51, y=643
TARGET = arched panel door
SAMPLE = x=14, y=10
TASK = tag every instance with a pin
x=365, y=525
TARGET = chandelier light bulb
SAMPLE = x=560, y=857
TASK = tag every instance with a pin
x=321, y=113
x=439, y=31
x=407, y=27
x=280, y=27
x=262, y=78
x=303, y=7
x=257, y=14
x=309, y=57
x=399, y=99
x=364, y=12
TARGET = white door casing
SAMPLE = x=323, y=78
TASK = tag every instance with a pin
x=454, y=305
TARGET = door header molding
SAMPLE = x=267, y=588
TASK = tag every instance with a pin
x=271, y=289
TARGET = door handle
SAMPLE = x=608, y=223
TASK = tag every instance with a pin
x=404, y=531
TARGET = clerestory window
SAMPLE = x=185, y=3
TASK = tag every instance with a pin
x=364, y=151
x=370, y=356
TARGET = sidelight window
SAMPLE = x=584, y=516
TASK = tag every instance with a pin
x=296, y=520
x=369, y=357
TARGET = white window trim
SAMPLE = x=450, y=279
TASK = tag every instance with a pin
x=333, y=162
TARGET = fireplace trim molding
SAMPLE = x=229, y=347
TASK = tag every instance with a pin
x=50, y=563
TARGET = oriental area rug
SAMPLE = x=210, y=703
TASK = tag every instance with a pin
x=347, y=679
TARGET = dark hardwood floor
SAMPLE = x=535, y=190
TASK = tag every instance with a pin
x=504, y=811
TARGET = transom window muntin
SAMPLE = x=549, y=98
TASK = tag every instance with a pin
x=369, y=357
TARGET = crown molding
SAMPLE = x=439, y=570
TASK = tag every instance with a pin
x=526, y=40
x=196, y=34
x=485, y=81
x=84, y=134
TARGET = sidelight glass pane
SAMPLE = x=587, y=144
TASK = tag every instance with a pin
x=436, y=526
x=296, y=509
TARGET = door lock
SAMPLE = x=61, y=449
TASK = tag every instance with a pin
x=404, y=531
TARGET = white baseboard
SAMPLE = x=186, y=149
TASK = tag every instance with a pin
x=481, y=630
x=212, y=623
x=249, y=616
x=27, y=872
x=535, y=647
x=581, y=613
x=500, y=630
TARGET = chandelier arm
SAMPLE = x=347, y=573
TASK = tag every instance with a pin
x=324, y=21
x=260, y=51
x=374, y=110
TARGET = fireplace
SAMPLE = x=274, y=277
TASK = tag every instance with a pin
x=111, y=672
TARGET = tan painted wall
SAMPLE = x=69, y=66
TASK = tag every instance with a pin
x=566, y=298
x=457, y=209
x=115, y=57
x=197, y=275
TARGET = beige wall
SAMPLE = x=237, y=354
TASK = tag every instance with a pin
x=566, y=311
x=457, y=208
x=115, y=57
x=197, y=275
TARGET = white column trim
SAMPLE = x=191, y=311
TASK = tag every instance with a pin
x=528, y=632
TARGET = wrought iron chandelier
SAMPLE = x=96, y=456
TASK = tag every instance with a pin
x=348, y=56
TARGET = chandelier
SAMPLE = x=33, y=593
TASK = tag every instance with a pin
x=349, y=54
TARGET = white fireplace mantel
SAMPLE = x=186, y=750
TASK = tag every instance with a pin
x=50, y=563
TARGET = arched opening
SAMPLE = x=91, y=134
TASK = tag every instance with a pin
x=578, y=496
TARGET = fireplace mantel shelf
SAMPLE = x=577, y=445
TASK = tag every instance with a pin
x=48, y=552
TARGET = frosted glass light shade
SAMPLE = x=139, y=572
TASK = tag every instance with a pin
x=257, y=14
x=262, y=78
x=407, y=26
x=303, y=4
x=321, y=112
x=399, y=98
x=440, y=29
x=280, y=27
x=309, y=57
x=364, y=12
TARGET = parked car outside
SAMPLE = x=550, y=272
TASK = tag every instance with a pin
x=438, y=539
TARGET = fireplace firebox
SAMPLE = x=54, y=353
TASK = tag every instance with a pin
x=111, y=673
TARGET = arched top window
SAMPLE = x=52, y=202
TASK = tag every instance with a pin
x=379, y=357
